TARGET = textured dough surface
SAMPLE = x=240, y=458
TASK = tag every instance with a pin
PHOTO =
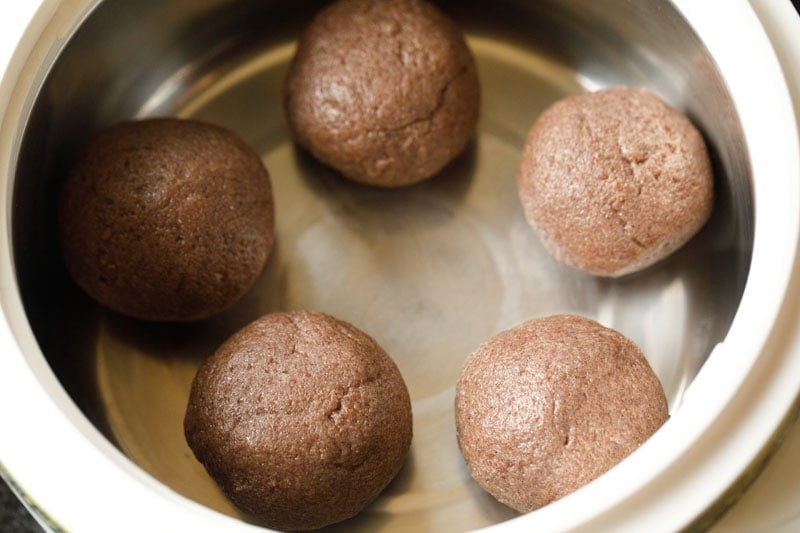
x=302, y=419
x=614, y=181
x=166, y=219
x=547, y=406
x=384, y=91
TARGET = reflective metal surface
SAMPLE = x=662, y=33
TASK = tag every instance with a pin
x=430, y=270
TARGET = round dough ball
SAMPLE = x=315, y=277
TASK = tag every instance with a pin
x=166, y=219
x=547, y=406
x=386, y=92
x=302, y=419
x=614, y=181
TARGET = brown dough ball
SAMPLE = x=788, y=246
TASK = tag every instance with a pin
x=614, y=181
x=386, y=92
x=546, y=407
x=166, y=219
x=302, y=419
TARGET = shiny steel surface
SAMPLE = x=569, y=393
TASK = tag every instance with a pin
x=429, y=270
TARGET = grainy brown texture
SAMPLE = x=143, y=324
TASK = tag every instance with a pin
x=384, y=91
x=302, y=419
x=614, y=181
x=166, y=219
x=547, y=406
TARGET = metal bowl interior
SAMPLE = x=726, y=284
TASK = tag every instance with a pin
x=430, y=270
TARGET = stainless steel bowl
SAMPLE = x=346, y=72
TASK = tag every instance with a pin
x=430, y=270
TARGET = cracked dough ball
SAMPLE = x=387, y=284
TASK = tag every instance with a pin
x=301, y=419
x=614, y=181
x=384, y=91
x=548, y=406
x=166, y=219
